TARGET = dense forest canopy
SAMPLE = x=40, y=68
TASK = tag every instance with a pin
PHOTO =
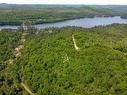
x=17, y=14
x=50, y=65
x=8, y=41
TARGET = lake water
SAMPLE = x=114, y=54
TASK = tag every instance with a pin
x=83, y=22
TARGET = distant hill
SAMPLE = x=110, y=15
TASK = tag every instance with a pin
x=34, y=6
x=15, y=14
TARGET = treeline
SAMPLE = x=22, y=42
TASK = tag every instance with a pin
x=54, y=14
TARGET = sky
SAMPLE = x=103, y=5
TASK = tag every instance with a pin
x=98, y=2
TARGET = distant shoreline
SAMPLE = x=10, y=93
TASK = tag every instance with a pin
x=84, y=22
x=37, y=23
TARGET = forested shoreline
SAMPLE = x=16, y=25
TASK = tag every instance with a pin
x=11, y=15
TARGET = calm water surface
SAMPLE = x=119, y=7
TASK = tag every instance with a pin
x=83, y=22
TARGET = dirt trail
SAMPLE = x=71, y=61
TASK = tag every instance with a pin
x=75, y=45
x=17, y=54
x=27, y=89
x=16, y=50
x=10, y=61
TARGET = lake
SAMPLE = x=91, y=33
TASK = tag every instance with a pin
x=83, y=22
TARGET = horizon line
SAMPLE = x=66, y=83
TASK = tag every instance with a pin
x=57, y=4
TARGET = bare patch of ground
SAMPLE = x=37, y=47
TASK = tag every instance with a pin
x=75, y=45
